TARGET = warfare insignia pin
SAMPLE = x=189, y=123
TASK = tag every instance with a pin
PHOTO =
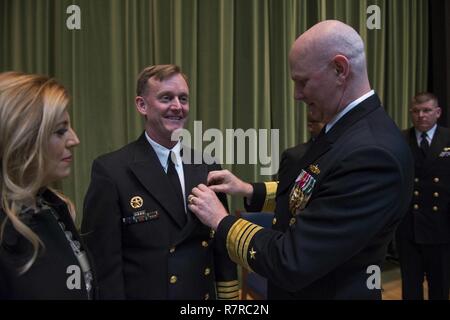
x=136, y=202
x=314, y=168
x=301, y=192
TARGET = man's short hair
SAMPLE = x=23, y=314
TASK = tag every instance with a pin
x=160, y=72
x=423, y=97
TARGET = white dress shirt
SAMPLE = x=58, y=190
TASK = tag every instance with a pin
x=347, y=109
x=430, y=135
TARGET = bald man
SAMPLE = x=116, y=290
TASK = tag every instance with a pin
x=338, y=206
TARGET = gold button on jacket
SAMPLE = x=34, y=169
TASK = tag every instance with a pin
x=173, y=279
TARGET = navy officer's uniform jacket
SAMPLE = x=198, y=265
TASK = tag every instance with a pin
x=423, y=237
x=349, y=192
x=143, y=248
x=428, y=219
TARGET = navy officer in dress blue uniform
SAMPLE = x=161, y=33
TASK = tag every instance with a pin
x=337, y=207
x=423, y=237
x=146, y=244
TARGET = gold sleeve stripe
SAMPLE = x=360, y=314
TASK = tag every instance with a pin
x=243, y=237
x=230, y=283
x=243, y=244
x=226, y=290
x=271, y=192
x=232, y=237
x=240, y=235
x=238, y=239
x=228, y=296
x=233, y=298
x=247, y=243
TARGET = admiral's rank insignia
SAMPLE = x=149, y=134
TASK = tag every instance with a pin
x=136, y=202
x=301, y=192
x=252, y=254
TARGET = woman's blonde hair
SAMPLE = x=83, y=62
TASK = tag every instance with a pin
x=30, y=106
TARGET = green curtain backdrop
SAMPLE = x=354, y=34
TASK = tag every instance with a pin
x=234, y=52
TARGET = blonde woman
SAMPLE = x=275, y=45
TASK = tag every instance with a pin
x=41, y=253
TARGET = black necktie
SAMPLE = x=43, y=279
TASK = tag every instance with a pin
x=172, y=174
x=424, y=146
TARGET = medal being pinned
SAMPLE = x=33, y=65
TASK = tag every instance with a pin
x=301, y=192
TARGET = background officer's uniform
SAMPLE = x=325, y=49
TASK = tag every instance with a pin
x=423, y=237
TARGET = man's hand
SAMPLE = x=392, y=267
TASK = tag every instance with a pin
x=226, y=182
x=207, y=207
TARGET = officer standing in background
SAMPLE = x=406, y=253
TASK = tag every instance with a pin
x=423, y=237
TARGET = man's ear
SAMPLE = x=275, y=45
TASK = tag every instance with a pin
x=141, y=105
x=439, y=111
x=342, y=67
